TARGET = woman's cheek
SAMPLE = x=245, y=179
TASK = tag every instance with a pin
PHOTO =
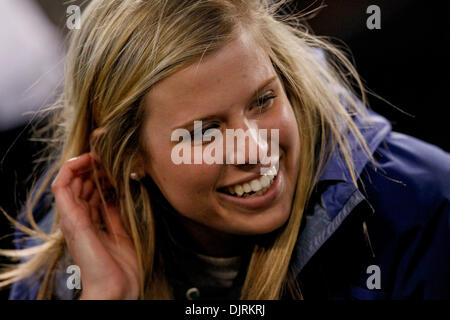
x=289, y=139
x=284, y=121
x=192, y=184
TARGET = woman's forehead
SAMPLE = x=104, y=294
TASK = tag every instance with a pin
x=222, y=79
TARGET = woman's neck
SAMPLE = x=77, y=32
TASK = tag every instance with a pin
x=210, y=242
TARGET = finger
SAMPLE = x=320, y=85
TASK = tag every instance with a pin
x=76, y=186
x=87, y=189
x=80, y=234
x=83, y=185
x=91, y=185
x=94, y=205
x=70, y=169
x=112, y=220
x=94, y=200
x=95, y=216
x=100, y=177
x=92, y=170
x=67, y=188
x=74, y=214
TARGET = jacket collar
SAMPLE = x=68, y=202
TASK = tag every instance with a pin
x=339, y=196
x=374, y=129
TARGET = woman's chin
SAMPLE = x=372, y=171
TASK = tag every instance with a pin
x=262, y=223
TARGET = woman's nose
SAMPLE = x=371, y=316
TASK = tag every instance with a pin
x=245, y=143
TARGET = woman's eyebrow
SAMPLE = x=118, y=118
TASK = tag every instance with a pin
x=253, y=97
x=262, y=86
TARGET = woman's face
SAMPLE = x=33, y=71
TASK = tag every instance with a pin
x=220, y=91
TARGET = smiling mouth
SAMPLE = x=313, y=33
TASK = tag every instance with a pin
x=253, y=187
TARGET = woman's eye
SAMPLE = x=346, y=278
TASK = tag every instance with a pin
x=265, y=101
x=204, y=129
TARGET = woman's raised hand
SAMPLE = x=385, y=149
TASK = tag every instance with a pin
x=104, y=252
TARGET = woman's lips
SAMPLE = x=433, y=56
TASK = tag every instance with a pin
x=255, y=202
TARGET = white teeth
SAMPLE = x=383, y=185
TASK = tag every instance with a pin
x=259, y=186
x=265, y=181
x=272, y=171
x=239, y=190
x=256, y=185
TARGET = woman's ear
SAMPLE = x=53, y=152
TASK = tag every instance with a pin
x=95, y=135
x=138, y=171
x=98, y=132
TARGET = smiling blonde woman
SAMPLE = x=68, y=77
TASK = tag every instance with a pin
x=343, y=193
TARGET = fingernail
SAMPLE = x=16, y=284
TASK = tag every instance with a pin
x=78, y=157
x=74, y=158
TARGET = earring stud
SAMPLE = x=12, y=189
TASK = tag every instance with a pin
x=134, y=176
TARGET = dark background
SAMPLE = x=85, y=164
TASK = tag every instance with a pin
x=405, y=62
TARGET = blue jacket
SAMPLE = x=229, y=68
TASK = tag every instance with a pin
x=394, y=226
x=388, y=238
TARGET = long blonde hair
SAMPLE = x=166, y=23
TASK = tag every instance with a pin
x=124, y=48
